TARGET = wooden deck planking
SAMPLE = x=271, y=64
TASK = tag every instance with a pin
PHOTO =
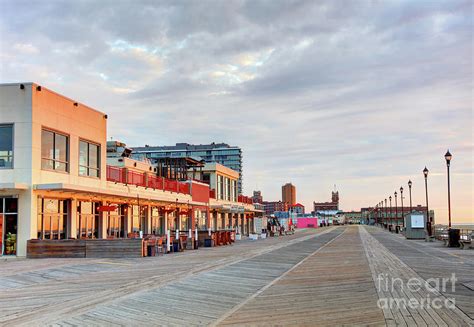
x=113, y=279
x=385, y=263
x=315, y=277
x=332, y=287
x=433, y=260
x=202, y=299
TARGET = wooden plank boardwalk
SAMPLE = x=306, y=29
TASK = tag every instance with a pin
x=332, y=287
x=317, y=277
x=395, y=280
x=29, y=289
x=433, y=261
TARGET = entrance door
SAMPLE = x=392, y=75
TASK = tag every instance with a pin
x=8, y=225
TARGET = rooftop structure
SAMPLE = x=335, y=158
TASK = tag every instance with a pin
x=222, y=153
x=333, y=205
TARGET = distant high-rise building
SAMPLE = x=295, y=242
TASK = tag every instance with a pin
x=229, y=156
x=257, y=197
x=288, y=194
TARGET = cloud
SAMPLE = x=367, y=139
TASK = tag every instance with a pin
x=359, y=94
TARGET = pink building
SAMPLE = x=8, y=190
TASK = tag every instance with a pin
x=307, y=222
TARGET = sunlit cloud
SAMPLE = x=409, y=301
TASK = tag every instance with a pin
x=358, y=94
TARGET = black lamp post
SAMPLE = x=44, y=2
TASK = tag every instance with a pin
x=428, y=223
x=390, y=198
x=401, y=200
x=381, y=211
x=448, y=158
x=386, y=215
x=396, y=209
x=409, y=187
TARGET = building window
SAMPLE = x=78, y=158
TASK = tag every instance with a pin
x=54, y=151
x=87, y=220
x=6, y=146
x=115, y=221
x=201, y=219
x=157, y=221
x=184, y=222
x=138, y=218
x=89, y=159
x=52, y=219
x=220, y=187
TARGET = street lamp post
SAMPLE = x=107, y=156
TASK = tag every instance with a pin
x=448, y=158
x=409, y=187
x=396, y=209
x=386, y=212
x=401, y=200
x=390, y=198
x=381, y=211
x=428, y=222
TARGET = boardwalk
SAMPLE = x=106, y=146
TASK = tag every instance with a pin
x=328, y=276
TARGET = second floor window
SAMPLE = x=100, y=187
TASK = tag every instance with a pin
x=6, y=146
x=54, y=151
x=89, y=163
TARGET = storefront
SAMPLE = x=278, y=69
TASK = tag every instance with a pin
x=52, y=219
x=8, y=225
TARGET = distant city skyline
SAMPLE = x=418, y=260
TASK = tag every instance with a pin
x=359, y=94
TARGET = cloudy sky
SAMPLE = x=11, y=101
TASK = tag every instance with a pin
x=357, y=94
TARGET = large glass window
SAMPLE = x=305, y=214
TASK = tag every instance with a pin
x=52, y=218
x=8, y=225
x=184, y=222
x=6, y=146
x=89, y=159
x=157, y=221
x=138, y=218
x=54, y=151
x=87, y=220
x=201, y=219
x=115, y=222
x=220, y=187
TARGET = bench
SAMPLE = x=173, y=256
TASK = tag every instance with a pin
x=467, y=243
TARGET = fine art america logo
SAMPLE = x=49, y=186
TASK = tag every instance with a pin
x=415, y=293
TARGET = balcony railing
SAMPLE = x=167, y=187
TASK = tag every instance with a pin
x=244, y=199
x=122, y=176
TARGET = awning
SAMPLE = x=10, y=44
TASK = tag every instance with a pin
x=13, y=186
x=130, y=193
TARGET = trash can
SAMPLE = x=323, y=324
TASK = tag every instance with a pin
x=175, y=246
x=208, y=243
x=454, y=236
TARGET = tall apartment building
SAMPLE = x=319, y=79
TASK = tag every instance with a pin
x=222, y=153
x=288, y=194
